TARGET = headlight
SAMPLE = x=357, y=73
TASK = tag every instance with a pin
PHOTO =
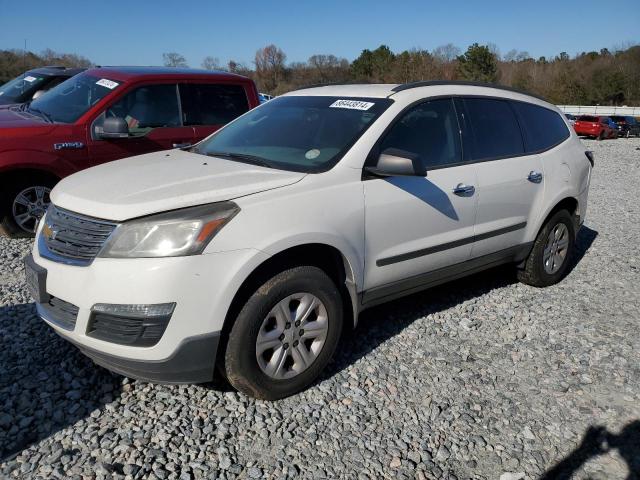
x=171, y=234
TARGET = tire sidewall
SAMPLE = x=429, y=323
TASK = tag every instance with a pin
x=564, y=217
x=240, y=363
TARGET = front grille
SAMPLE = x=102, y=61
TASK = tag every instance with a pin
x=138, y=332
x=60, y=312
x=69, y=236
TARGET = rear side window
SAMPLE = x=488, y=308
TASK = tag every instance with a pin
x=495, y=129
x=429, y=130
x=542, y=128
x=210, y=104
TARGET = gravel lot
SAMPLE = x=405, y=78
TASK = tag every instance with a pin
x=481, y=378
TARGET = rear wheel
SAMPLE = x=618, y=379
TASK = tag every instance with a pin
x=285, y=334
x=549, y=258
x=601, y=135
x=24, y=203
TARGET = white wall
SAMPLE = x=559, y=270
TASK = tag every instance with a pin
x=600, y=110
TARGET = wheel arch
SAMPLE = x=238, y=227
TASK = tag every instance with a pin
x=322, y=255
x=563, y=202
x=9, y=177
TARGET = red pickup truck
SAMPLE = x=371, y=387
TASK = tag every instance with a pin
x=105, y=114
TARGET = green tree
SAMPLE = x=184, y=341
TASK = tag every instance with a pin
x=373, y=65
x=478, y=64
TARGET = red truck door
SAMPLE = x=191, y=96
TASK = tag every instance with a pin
x=153, y=115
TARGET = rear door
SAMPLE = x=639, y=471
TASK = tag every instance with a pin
x=153, y=114
x=510, y=182
x=206, y=106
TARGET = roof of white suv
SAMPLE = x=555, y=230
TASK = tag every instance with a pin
x=384, y=90
x=369, y=90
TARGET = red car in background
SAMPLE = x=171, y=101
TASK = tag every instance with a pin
x=105, y=114
x=595, y=126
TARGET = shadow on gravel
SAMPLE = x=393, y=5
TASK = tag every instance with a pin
x=46, y=384
x=598, y=441
x=380, y=323
x=584, y=240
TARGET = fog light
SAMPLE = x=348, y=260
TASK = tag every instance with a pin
x=140, y=325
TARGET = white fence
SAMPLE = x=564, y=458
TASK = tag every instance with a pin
x=600, y=110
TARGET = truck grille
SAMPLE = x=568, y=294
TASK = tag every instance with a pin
x=68, y=237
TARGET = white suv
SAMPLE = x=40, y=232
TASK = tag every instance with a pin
x=254, y=249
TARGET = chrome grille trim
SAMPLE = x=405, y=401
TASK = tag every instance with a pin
x=76, y=239
x=59, y=312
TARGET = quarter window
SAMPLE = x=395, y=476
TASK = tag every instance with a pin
x=148, y=107
x=542, y=128
x=209, y=104
x=495, y=129
x=429, y=130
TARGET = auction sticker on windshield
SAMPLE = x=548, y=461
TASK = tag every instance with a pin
x=110, y=84
x=30, y=79
x=352, y=104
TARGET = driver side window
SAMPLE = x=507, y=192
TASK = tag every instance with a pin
x=148, y=107
x=429, y=130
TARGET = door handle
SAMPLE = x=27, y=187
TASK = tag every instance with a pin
x=464, y=190
x=182, y=145
x=534, y=177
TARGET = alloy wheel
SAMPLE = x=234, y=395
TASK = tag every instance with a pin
x=29, y=206
x=292, y=336
x=555, y=251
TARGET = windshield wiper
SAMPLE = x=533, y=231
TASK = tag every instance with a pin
x=44, y=115
x=241, y=157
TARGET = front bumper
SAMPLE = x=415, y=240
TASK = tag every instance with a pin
x=193, y=362
x=202, y=288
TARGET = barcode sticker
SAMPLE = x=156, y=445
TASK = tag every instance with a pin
x=352, y=104
x=110, y=84
x=30, y=79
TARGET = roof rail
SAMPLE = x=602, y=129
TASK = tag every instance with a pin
x=430, y=83
x=334, y=84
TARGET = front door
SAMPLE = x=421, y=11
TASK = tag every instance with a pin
x=153, y=115
x=416, y=225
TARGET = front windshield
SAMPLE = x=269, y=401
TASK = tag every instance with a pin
x=305, y=134
x=67, y=102
x=21, y=87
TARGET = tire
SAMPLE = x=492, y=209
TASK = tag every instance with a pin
x=246, y=363
x=601, y=135
x=25, y=197
x=535, y=272
x=628, y=134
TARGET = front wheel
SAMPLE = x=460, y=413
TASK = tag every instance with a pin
x=551, y=253
x=25, y=203
x=285, y=334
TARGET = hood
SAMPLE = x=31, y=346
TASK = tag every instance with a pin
x=12, y=118
x=161, y=181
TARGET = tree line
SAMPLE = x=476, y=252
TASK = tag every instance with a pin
x=605, y=77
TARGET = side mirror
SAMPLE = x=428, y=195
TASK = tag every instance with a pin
x=114, y=127
x=37, y=94
x=394, y=162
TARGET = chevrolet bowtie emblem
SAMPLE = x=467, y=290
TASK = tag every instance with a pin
x=48, y=232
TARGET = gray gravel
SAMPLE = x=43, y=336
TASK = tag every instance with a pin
x=482, y=378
